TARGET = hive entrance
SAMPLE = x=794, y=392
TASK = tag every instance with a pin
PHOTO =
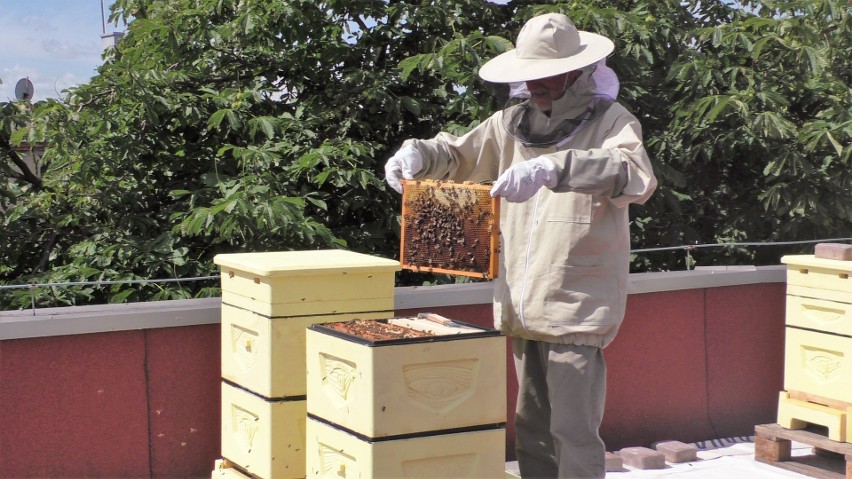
x=449, y=228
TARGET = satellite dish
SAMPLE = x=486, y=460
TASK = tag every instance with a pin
x=24, y=89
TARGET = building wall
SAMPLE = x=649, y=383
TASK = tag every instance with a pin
x=139, y=403
x=133, y=391
x=695, y=364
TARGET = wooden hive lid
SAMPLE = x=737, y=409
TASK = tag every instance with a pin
x=310, y=262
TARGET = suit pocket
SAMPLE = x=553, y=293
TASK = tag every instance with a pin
x=574, y=208
x=577, y=294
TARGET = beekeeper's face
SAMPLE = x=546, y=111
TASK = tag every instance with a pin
x=544, y=91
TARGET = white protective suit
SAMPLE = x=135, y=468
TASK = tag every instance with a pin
x=564, y=253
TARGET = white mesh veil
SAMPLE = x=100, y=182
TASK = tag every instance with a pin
x=595, y=90
x=603, y=77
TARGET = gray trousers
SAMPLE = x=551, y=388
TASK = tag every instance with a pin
x=561, y=393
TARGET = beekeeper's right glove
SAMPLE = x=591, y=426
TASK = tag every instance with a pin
x=522, y=180
x=405, y=163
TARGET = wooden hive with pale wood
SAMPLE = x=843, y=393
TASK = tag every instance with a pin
x=269, y=300
x=305, y=283
x=338, y=454
x=817, y=365
x=405, y=396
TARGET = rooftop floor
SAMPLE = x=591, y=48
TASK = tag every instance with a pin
x=729, y=458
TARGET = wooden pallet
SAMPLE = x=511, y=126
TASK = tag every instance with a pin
x=830, y=460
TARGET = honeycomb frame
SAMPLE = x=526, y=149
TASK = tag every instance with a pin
x=450, y=227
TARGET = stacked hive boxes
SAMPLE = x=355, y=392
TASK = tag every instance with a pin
x=268, y=301
x=407, y=407
x=817, y=365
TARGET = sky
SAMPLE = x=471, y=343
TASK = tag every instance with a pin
x=56, y=44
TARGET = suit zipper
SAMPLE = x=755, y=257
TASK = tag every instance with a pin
x=521, y=306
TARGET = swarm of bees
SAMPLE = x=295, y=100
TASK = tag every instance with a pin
x=447, y=227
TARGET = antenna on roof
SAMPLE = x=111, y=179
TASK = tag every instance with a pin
x=103, y=18
x=24, y=89
x=108, y=40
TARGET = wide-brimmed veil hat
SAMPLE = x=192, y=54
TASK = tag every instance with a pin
x=547, y=45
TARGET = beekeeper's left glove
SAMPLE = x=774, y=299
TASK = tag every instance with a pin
x=405, y=163
x=522, y=180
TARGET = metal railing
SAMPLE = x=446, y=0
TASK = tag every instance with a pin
x=688, y=249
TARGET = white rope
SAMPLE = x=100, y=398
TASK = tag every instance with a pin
x=716, y=245
x=101, y=283
x=687, y=248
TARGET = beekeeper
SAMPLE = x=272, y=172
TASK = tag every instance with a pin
x=567, y=159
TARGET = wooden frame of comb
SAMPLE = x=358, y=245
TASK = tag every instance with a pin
x=449, y=227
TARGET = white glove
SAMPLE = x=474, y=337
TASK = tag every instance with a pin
x=522, y=180
x=405, y=163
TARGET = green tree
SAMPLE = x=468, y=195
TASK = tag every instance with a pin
x=249, y=125
x=222, y=126
x=761, y=129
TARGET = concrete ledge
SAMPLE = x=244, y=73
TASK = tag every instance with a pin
x=108, y=317
x=411, y=297
x=163, y=314
x=706, y=277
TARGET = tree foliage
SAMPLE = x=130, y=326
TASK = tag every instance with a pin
x=254, y=125
x=761, y=127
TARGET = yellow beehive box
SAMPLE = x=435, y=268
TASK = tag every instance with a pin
x=818, y=364
x=265, y=438
x=819, y=314
x=815, y=277
x=798, y=414
x=223, y=469
x=304, y=283
x=267, y=355
x=454, y=379
x=336, y=454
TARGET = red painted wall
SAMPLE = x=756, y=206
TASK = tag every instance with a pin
x=695, y=364
x=122, y=404
x=74, y=406
x=745, y=350
x=184, y=397
x=687, y=365
x=656, y=372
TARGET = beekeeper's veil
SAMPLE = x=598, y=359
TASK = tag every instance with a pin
x=550, y=45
